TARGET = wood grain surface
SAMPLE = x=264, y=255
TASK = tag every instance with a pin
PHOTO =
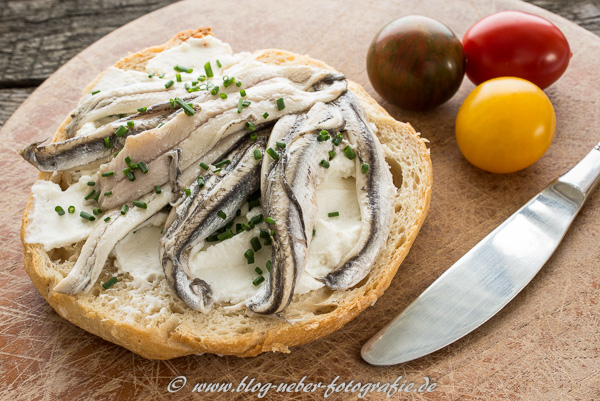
x=545, y=345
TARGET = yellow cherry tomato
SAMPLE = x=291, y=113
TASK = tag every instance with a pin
x=505, y=125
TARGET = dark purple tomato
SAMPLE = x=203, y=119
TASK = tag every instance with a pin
x=416, y=63
x=516, y=44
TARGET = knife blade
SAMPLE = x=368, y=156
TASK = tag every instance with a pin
x=490, y=275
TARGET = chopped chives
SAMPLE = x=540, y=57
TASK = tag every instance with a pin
x=219, y=63
x=225, y=235
x=238, y=228
x=186, y=107
x=121, y=115
x=280, y=145
x=273, y=153
x=238, y=213
x=169, y=83
x=178, y=77
x=200, y=182
x=238, y=83
x=314, y=232
x=227, y=82
x=263, y=234
x=212, y=238
x=258, y=281
x=180, y=68
x=204, y=166
x=246, y=103
x=324, y=163
x=250, y=126
x=121, y=131
x=160, y=125
x=130, y=123
x=107, y=142
x=249, y=255
x=143, y=167
x=161, y=76
x=258, y=270
x=140, y=204
x=272, y=233
x=239, y=108
x=223, y=95
x=257, y=219
x=214, y=90
x=265, y=115
x=338, y=139
x=127, y=159
x=124, y=209
x=270, y=220
x=202, y=78
x=59, y=210
x=250, y=225
x=187, y=191
x=107, y=219
x=97, y=196
x=268, y=265
x=243, y=92
x=91, y=183
x=97, y=211
x=256, y=246
x=71, y=209
x=152, y=74
x=268, y=242
x=257, y=154
x=254, y=136
x=110, y=283
x=157, y=189
x=222, y=214
x=108, y=193
x=217, y=170
x=130, y=175
x=280, y=104
x=172, y=102
x=331, y=154
x=323, y=136
x=87, y=216
x=88, y=196
x=253, y=203
x=142, y=109
x=333, y=214
x=208, y=70
x=365, y=168
x=223, y=163
x=96, y=91
x=349, y=152
x=108, y=173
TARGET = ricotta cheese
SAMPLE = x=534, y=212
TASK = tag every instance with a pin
x=50, y=229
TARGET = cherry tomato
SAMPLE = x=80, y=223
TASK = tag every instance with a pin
x=416, y=63
x=516, y=44
x=505, y=125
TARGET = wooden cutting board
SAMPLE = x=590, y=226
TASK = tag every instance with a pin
x=544, y=345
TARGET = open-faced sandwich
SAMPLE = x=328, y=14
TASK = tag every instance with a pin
x=198, y=200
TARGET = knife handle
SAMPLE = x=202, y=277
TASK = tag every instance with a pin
x=585, y=176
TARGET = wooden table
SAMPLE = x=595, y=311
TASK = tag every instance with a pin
x=543, y=345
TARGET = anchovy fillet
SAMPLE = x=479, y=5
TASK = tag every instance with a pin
x=103, y=239
x=213, y=121
x=375, y=192
x=83, y=150
x=198, y=216
x=289, y=197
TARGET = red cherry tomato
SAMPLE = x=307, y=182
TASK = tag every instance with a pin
x=516, y=44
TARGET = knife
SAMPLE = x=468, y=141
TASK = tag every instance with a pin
x=490, y=275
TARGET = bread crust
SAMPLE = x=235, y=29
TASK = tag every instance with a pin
x=320, y=312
